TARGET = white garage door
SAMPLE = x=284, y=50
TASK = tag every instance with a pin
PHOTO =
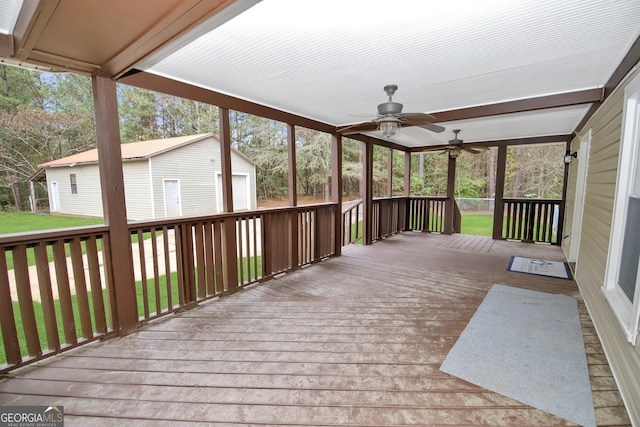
x=240, y=184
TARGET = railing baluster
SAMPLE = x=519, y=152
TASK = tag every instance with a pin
x=7, y=316
x=80, y=284
x=143, y=275
x=25, y=300
x=111, y=297
x=46, y=296
x=209, y=258
x=64, y=292
x=97, y=298
x=156, y=272
x=167, y=264
x=217, y=239
x=200, y=263
x=240, y=262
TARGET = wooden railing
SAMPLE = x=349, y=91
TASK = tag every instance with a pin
x=56, y=292
x=352, y=230
x=427, y=214
x=389, y=216
x=457, y=217
x=531, y=220
x=57, y=295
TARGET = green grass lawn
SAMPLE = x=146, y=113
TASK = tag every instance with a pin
x=19, y=222
x=477, y=224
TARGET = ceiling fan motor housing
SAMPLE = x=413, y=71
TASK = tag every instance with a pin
x=389, y=108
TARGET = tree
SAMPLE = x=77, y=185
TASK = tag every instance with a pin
x=40, y=120
x=351, y=168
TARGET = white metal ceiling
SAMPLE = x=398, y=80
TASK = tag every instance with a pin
x=329, y=59
x=9, y=10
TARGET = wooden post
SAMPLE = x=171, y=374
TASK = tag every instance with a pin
x=366, y=192
x=407, y=188
x=229, y=249
x=113, y=204
x=390, y=174
x=336, y=191
x=563, y=204
x=449, y=210
x=293, y=196
x=498, y=210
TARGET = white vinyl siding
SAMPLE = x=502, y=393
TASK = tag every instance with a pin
x=88, y=200
x=606, y=126
x=137, y=189
x=193, y=166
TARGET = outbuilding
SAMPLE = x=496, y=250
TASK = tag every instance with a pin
x=163, y=178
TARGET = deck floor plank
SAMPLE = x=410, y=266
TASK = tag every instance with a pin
x=354, y=340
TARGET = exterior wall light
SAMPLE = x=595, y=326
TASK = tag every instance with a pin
x=569, y=156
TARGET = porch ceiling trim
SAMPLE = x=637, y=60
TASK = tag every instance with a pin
x=530, y=104
x=501, y=142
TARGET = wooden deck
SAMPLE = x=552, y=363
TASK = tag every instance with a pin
x=355, y=340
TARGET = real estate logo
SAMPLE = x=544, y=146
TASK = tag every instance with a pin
x=31, y=416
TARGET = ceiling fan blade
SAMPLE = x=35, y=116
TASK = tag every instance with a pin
x=416, y=119
x=433, y=127
x=470, y=150
x=434, y=149
x=358, y=128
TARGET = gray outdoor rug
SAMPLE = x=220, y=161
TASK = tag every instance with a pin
x=541, y=267
x=528, y=346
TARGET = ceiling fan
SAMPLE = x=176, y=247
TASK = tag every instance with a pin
x=455, y=146
x=390, y=119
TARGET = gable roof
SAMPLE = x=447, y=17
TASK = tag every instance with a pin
x=133, y=150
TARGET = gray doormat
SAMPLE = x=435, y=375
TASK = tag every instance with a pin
x=540, y=267
x=528, y=346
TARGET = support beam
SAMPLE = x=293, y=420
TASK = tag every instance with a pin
x=293, y=195
x=229, y=249
x=407, y=174
x=366, y=192
x=407, y=187
x=498, y=211
x=114, y=205
x=161, y=84
x=501, y=142
x=530, y=104
x=291, y=147
x=449, y=209
x=390, y=174
x=336, y=190
x=563, y=205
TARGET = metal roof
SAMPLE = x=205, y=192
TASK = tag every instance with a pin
x=131, y=151
x=329, y=60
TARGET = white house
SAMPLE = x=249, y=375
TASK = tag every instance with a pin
x=163, y=178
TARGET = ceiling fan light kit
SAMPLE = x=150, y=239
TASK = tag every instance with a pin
x=389, y=127
x=454, y=153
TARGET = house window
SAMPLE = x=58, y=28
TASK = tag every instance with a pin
x=622, y=282
x=74, y=184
